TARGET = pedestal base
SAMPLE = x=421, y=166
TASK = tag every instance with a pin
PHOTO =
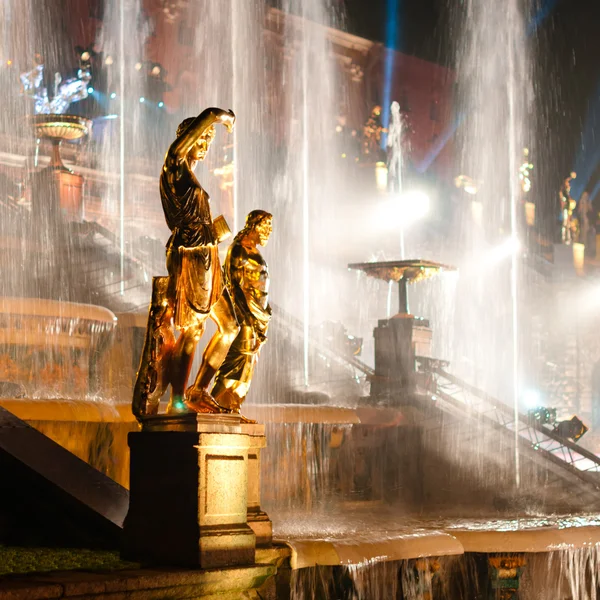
x=188, y=496
x=258, y=520
x=397, y=341
x=59, y=193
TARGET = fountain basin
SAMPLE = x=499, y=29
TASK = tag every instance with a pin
x=310, y=553
x=48, y=345
x=61, y=127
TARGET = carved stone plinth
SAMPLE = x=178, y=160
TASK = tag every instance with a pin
x=189, y=493
x=257, y=519
x=397, y=341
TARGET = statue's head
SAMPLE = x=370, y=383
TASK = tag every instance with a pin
x=259, y=225
x=200, y=148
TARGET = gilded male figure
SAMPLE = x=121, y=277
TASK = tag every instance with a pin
x=247, y=278
x=194, y=290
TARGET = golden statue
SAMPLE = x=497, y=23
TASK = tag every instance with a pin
x=247, y=277
x=194, y=289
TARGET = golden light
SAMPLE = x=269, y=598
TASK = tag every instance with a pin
x=579, y=258
x=530, y=214
x=381, y=173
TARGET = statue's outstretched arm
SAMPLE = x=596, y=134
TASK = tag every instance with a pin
x=208, y=117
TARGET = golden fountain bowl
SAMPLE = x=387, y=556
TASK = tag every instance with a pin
x=410, y=271
x=61, y=127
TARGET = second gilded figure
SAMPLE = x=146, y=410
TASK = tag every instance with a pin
x=247, y=278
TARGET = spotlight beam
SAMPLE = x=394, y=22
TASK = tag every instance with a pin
x=391, y=43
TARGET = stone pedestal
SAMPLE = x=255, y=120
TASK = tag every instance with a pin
x=397, y=341
x=189, y=493
x=258, y=520
x=58, y=192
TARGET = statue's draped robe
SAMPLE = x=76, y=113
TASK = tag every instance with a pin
x=192, y=252
x=252, y=311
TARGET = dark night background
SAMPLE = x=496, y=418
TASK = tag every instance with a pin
x=566, y=72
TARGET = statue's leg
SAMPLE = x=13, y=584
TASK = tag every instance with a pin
x=180, y=366
x=231, y=393
x=223, y=314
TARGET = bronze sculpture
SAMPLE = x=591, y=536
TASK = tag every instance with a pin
x=194, y=289
x=247, y=278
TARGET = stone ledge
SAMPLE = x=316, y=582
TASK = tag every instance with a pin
x=140, y=584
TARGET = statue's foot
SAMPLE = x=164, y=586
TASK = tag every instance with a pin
x=246, y=419
x=200, y=401
x=177, y=406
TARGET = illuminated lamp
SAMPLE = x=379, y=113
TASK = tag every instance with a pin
x=381, y=173
x=530, y=214
x=579, y=258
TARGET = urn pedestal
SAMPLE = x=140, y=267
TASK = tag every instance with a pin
x=56, y=191
x=190, y=482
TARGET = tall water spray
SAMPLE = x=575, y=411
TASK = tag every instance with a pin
x=494, y=78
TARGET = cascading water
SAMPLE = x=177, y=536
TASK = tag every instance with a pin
x=494, y=91
x=283, y=86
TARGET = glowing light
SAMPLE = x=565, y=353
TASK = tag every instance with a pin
x=90, y=90
x=381, y=173
x=111, y=117
x=161, y=104
x=532, y=398
x=113, y=95
x=155, y=70
x=440, y=144
x=142, y=99
x=579, y=258
x=9, y=62
x=85, y=55
x=402, y=210
x=109, y=61
x=509, y=247
x=391, y=43
x=530, y=213
x=138, y=66
x=468, y=184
